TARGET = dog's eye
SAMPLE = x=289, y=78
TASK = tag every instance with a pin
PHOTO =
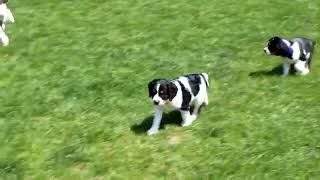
x=161, y=92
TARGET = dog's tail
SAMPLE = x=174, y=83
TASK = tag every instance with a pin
x=206, y=78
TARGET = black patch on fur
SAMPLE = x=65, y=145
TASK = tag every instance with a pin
x=152, y=87
x=194, y=81
x=205, y=80
x=186, y=98
x=167, y=90
x=172, y=90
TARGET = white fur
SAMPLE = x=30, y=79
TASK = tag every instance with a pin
x=7, y=17
x=3, y=37
x=286, y=68
x=6, y=13
x=296, y=51
x=187, y=118
x=267, y=51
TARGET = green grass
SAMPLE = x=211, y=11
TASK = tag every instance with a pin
x=74, y=102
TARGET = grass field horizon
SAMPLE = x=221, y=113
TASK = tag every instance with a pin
x=74, y=102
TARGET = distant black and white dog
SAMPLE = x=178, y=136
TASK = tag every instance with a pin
x=180, y=93
x=297, y=52
x=7, y=17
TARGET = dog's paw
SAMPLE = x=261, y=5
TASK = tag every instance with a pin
x=186, y=123
x=305, y=72
x=152, y=131
x=192, y=118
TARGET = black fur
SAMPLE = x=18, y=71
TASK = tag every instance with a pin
x=186, y=98
x=194, y=81
x=172, y=90
x=167, y=90
x=152, y=87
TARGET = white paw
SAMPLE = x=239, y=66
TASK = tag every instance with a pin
x=186, y=123
x=152, y=131
x=192, y=118
x=305, y=72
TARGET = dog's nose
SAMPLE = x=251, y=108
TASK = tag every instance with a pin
x=265, y=51
x=156, y=102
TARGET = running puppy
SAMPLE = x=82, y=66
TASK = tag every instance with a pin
x=297, y=52
x=179, y=94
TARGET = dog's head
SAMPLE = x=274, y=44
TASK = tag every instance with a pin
x=162, y=91
x=276, y=46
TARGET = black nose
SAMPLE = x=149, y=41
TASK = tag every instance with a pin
x=156, y=102
x=265, y=50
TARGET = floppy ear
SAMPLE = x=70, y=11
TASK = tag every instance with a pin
x=152, y=88
x=172, y=90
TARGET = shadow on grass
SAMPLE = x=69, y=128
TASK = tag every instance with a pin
x=277, y=71
x=173, y=117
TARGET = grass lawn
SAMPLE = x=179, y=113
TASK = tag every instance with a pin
x=74, y=102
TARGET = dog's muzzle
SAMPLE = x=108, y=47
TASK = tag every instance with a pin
x=266, y=50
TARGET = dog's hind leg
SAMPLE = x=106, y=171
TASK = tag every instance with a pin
x=301, y=67
x=186, y=118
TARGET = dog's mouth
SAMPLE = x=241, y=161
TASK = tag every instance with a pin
x=267, y=51
x=162, y=103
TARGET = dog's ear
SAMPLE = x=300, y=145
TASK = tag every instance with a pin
x=172, y=90
x=152, y=87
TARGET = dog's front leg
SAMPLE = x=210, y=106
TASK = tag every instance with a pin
x=286, y=69
x=186, y=118
x=156, y=121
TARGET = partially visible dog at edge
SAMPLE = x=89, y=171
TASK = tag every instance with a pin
x=296, y=53
x=181, y=94
x=7, y=17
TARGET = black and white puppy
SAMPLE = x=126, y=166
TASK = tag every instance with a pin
x=180, y=93
x=297, y=52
